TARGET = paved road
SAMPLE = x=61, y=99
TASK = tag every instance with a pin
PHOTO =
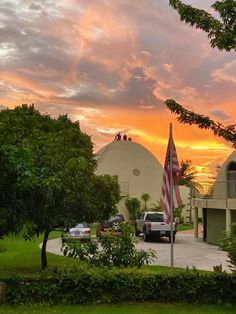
x=187, y=252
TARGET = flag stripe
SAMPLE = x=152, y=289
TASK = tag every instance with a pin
x=166, y=202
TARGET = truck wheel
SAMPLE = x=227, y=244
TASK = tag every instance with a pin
x=137, y=233
x=145, y=236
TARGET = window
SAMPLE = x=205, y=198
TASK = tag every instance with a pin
x=154, y=217
x=231, y=180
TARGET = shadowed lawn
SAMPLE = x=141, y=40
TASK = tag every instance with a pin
x=138, y=308
x=18, y=255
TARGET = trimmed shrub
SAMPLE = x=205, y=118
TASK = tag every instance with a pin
x=104, y=285
x=118, y=251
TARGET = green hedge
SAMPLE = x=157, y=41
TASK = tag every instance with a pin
x=117, y=285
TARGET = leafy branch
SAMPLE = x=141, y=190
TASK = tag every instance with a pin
x=227, y=132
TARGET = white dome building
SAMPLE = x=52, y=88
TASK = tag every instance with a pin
x=219, y=209
x=137, y=169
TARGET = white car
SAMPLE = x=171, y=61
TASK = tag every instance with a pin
x=81, y=230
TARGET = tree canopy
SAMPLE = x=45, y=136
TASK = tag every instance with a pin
x=145, y=197
x=47, y=174
x=221, y=32
x=227, y=132
x=187, y=175
x=133, y=205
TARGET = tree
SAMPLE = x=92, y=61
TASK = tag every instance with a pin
x=227, y=132
x=133, y=206
x=49, y=173
x=145, y=197
x=106, y=194
x=221, y=32
x=222, y=35
x=187, y=175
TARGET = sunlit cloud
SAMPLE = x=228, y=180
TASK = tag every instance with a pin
x=226, y=73
x=111, y=65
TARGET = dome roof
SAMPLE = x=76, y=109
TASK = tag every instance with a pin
x=137, y=169
x=223, y=170
x=220, y=187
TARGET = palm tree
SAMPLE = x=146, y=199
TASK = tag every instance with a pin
x=187, y=175
x=145, y=197
x=133, y=206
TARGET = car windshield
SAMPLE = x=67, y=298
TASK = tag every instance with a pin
x=114, y=218
x=155, y=217
x=82, y=225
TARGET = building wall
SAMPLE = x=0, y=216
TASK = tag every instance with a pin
x=185, y=196
x=137, y=169
x=215, y=225
x=219, y=189
x=233, y=216
x=138, y=172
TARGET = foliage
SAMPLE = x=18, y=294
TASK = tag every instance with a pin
x=222, y=33
x=122, y=308
x=187, y=175
x=228, y=244
x=106, y=194
x=156, y=206
x=145, y=197
x=133, y=205
x=186, y=116
x=109, y=250
x=178, y=214
x=48, y=176
x=103, y=285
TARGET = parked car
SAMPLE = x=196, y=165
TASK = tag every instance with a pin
x=113, y=224
x=152, y=224
x=79, y=231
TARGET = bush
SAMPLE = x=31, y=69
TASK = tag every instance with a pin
x=109, y=251
x=103, y=285
x=228, y=244
x=178, y=214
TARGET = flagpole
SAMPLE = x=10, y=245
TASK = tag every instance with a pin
x=171, y=199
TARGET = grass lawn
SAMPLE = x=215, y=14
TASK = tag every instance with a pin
x=183, y=227
x=20, y=256
x=140, y=308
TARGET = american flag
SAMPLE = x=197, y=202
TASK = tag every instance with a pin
x=170, y=200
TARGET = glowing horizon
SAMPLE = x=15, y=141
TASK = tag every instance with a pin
x=111, y=65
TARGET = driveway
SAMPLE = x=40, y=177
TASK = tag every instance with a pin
x=187, y=250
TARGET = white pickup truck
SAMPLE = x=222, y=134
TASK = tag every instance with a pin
x=152, y=224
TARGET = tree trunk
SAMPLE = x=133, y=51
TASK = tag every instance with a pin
x=43, y=251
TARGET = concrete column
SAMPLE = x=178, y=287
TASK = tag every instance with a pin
x=195, y=222
x=228, y=219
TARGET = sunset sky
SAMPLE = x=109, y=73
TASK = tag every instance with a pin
x=111, y=64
